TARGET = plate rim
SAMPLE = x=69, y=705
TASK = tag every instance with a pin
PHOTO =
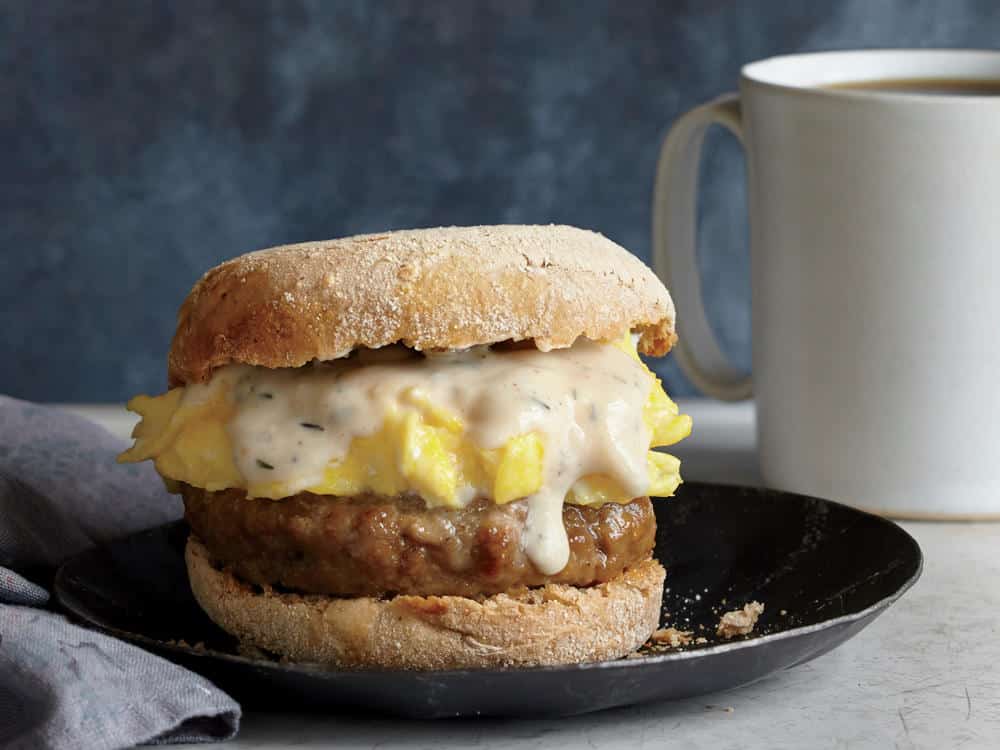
x=60, y=591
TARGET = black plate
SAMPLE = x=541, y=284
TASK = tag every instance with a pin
x=823, y=570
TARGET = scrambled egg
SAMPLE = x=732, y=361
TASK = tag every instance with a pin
x=419, y=448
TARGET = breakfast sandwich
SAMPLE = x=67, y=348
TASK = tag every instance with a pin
x=423, y=449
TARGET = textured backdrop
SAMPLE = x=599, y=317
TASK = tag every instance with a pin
x=144, y=142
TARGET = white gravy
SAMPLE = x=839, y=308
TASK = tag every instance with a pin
x=587, y=401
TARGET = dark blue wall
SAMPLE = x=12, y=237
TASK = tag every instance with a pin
x=145, y=142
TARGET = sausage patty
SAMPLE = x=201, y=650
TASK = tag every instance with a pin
x=367, y=545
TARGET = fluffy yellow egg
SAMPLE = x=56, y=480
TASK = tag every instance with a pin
x=419, y=448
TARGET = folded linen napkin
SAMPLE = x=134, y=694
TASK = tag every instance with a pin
x=61, y=685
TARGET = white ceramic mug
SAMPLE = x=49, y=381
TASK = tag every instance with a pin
x=875, y=257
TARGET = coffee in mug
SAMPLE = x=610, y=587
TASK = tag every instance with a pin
x=926, y=86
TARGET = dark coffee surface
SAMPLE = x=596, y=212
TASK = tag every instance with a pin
x=934, y=86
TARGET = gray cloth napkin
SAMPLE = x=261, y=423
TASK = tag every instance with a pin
x=61, y=685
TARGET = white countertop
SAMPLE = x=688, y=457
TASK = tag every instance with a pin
x=924, y=675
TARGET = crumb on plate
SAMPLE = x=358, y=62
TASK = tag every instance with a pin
x=671, y=637
x=739, y=621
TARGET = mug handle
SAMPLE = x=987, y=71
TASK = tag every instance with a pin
x=674, y=247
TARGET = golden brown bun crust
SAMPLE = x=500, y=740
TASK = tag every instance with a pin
x=444, y=288
x=555, y=624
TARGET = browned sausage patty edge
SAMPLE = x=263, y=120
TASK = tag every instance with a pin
x=371, y=546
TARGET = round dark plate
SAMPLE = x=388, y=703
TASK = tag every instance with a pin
x=823, y=571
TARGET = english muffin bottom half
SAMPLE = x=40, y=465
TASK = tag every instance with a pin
x=423, y=449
